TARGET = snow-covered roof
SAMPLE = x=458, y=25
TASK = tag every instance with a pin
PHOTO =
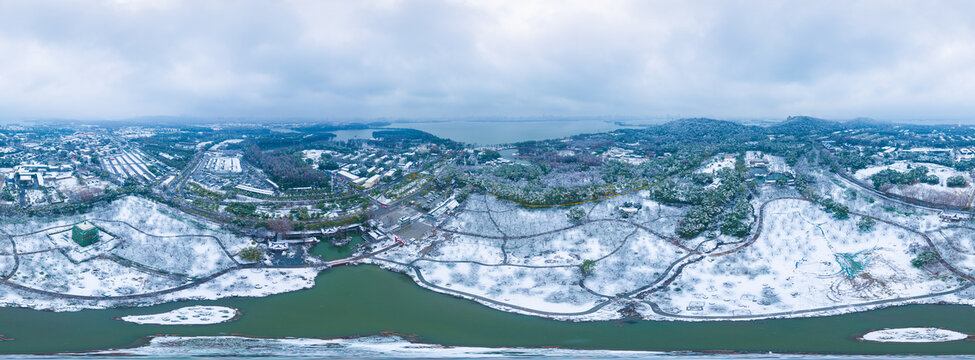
x=84, y=226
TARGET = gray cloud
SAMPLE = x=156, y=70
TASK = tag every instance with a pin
x=895, y=60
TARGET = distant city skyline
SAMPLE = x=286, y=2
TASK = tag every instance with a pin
x=906, y=62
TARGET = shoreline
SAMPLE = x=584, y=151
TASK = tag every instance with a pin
x=602, y=314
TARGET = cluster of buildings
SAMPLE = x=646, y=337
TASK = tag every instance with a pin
x=768, y=168
x=354, y=168
x=39, y=175
x=624, y=155
x=223, y=163
x=128, y=164
x=221, y=168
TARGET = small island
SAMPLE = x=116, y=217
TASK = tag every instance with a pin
x=914, y=335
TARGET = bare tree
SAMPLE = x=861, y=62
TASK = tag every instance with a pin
x=280, y=225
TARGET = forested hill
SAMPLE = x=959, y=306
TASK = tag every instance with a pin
x=805, y=125
x=708, y=130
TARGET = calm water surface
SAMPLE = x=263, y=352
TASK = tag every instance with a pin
x=493, y=133
x=365, y=300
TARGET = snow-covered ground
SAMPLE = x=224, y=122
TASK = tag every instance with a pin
x=149, y=253
x=798, y=264
x=148, y=233
x=248, y=283
x=314, y=155
x=546, y=289
x=52, y=271
x=717, y=163
x=957, y=246
x=804, y=263
x=777, y=164
x=939, y=193
x=190, y=315
x=530, y=258
x=914, y=335
x=239, y=283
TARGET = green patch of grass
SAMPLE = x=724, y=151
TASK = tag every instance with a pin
x=898, y=211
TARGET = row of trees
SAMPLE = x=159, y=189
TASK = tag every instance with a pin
x=914, y=176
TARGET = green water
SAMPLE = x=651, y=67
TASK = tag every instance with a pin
x=367, y=300
x=329, y=252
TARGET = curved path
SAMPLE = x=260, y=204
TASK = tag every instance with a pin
x=214, y=238
x=5, y=279
x=951, y=244
x=670, y=239
x=672, y=272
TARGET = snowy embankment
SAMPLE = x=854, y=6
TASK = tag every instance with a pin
x=361, y=347
x=190, y=315
x=914, y=335
x=235, y=283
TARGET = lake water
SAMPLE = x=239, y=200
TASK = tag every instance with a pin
x=494, y=133
x=345, y=135
x=364, y=300
x=502, y=132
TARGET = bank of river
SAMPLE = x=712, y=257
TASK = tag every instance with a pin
x=366, y=300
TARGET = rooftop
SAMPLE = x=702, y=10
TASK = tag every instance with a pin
x=84, y=226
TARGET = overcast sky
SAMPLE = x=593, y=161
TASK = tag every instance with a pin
x=897, y=60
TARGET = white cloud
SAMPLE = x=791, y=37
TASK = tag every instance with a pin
x=902, y=60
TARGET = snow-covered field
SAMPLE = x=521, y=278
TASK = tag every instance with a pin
x=530, y=258
x=914, y=335
x=804, y=263
x=190, y=315
x=149, y=253
x=548, y=289
x=805, y=260
x=248, y=283
x=717, y=163
x=939, y=193
x=239, y=283
x=314, y=155
x=52, y=271
x=957, y=246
